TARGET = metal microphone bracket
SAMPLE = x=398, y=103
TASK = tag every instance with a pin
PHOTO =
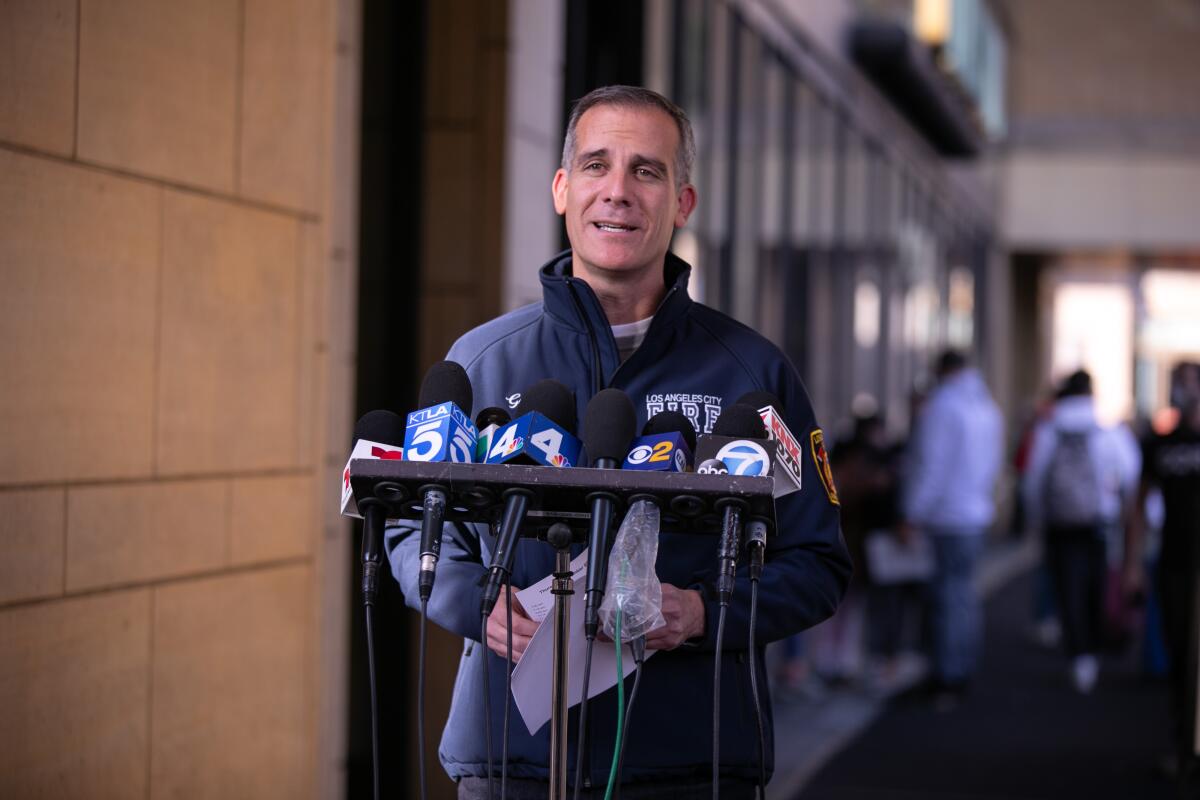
x=559, y=537
x=475, y=493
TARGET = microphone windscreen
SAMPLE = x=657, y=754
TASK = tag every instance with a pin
x=385, y=427
x=609, y=423
x=553, y=400
x=492, y=415
x=740, y=421
x=446, y=382
x=671, y=422
x=759, y=400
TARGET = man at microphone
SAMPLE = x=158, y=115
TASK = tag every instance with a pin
x=616, y=313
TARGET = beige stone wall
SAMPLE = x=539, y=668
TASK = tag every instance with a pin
x=1104, y=73
x=175, y=335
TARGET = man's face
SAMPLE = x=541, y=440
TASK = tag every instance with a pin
x=619, y=197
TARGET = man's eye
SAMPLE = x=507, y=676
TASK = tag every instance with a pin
x=592, y=166
x=645, y=172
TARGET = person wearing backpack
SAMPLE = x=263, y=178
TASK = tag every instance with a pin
x=1077, y=489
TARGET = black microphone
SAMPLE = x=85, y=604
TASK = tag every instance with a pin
x=671, y=422
x=445, y=382
x=738, y=422
x=556, y=402
x=384, y=427
x=488, y=421
x=609, y=423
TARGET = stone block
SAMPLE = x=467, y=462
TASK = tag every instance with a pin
x=133, y=533
x=233, y=695
x=272, y=518
x=74, y=686
x=158, y=88
x=228, y=388
x=37, y=74
x=286, y=53
x=32, y=528
x=78, y=316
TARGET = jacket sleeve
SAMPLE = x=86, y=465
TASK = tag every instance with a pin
x=454, y=603
x=807, y=566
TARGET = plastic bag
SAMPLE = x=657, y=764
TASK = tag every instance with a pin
x=633, y=587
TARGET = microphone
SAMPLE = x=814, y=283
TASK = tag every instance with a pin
x=488, y=422
x=547, y=416
x=788, y=455
x=375, y=428
x=382, y=425
x=666, y=444
x=736, y=441
x=542, y=431
x=440, y=431
x=736, y=437
x=609, y=422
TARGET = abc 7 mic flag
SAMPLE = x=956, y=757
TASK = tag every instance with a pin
x=741, y=457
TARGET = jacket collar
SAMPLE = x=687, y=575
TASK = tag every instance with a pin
x=573, y=303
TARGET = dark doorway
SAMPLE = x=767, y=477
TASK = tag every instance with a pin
x=393, y=52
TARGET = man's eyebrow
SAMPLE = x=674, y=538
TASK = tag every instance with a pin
x=591, y=154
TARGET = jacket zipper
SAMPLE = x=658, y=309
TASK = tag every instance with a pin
x=597, y=383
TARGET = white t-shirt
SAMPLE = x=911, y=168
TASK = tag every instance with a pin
x=630, y=336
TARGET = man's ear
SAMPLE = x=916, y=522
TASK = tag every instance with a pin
x=687, y=204
x=558, y=188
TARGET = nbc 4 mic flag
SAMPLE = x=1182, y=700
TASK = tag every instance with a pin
x=533, y=439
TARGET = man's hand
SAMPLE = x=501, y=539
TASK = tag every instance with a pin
x=523, y=628
x=684, y=612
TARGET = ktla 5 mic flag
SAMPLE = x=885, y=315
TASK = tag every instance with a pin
x=364, y=449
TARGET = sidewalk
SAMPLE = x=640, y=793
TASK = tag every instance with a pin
x=810, y=732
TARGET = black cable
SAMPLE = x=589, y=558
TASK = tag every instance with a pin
x=583, y=705
x=758, y=715
x=421, y=695
x=374, y=701
x=638, y=646
x=507, y=690
x=487, y=707
x=716, y=769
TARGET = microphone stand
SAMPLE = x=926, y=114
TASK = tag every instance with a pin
x=559, y=537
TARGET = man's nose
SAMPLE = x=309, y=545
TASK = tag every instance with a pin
x=617, y=187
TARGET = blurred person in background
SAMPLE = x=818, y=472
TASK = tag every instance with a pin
x=1046, y=631
x=1077, y=488
x=952, y=464
x=858, y=471
x=1171, y=463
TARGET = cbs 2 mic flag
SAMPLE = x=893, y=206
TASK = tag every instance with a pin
x=665, y=452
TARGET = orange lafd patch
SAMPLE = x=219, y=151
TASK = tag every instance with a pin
x=821, y=458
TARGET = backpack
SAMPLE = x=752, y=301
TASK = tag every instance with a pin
x=1071, y=493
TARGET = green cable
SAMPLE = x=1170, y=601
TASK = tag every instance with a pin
x=612, y=773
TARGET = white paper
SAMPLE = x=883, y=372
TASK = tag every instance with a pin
x=533, y=677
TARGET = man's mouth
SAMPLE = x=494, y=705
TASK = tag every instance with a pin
x=614, y=227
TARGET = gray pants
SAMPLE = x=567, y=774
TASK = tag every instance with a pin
x=530, y=789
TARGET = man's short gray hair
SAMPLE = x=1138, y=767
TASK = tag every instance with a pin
x=636, y=97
